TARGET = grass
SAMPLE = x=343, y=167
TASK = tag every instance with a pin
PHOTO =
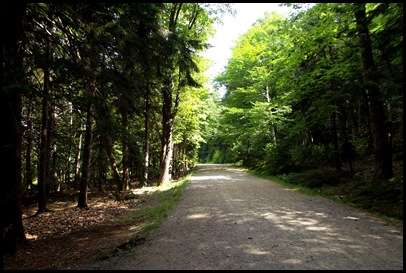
x=170, y=195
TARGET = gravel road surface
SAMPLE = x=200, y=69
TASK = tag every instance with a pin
x=229, y=219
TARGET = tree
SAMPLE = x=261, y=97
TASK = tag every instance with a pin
x=43, y=176
x=379, y=123
x=179, y=42
x=11, y=102
x=90, y=65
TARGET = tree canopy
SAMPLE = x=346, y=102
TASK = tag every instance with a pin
x=299, y=92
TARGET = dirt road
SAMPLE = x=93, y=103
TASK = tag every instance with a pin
x=229, y=219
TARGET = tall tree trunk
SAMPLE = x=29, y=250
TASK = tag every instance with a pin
x=68, y=160
x=174, y=164
x=54, y=174
x=126, y=152
x=146, y=137
x=28, y=157
x=169, y=108
x=268, y=100
x=87, y=151
x=78, y=155
x=167, y=130
x=55, y=185
x=166, y=158
x=380, y=128
x=347, y=147
x=12, y=228
x=45, y=138
x=367, y=118
x=101, y=167
x=109, y=151
x=335, y=142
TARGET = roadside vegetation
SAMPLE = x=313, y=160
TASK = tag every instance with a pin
x=383, y=200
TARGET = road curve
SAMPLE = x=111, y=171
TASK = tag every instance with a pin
x=229, y=219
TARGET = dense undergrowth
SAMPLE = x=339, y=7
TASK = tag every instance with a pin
x=380, y=197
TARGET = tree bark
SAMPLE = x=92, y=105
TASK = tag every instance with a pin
x=167, y=130
x=45, y=136
x=55, y=182
x=347, y=146
x=380, y=128
x=28, y=157
x=87, y=151
x=78, y=155
x=126, y=152
x=101, y=174
x=109, y=151
x=268, y=100
x=42, y=172
x=12, y=228
x=146, y=137
x=337, y=158
x=69, y=158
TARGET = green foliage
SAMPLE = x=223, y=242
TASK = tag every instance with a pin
x=381, y=198
x=295, y=95
x=125, y=52
x=315, y=178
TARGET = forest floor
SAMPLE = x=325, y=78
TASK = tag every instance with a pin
x=69, y=237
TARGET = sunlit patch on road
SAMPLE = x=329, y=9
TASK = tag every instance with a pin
x=256, y=251
x=317, y=228
x=351, y=218
x=199, y=216
x=209, y=177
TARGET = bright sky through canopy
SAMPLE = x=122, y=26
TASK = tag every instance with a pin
x=227, y=34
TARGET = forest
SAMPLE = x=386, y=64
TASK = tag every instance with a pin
x=106, y=97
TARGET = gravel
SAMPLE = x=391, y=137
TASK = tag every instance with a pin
x=229, y=219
